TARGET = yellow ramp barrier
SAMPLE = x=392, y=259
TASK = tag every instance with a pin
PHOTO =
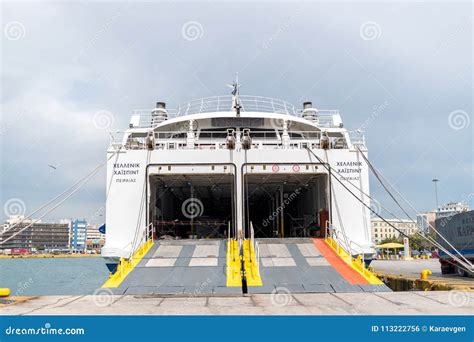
x=252, y=271
x=126, y=266
x=233, y=272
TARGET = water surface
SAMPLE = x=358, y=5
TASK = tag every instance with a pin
x=52, y=276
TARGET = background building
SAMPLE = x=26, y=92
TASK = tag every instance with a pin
x=78, y=235
x=40, y=236
x=95, y=239
x=425, y=220
x=450, y=209
x=382, y=231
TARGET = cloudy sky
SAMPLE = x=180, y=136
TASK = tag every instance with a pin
x=402, y=72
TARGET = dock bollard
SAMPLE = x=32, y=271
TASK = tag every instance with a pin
x=4, y=292
x=424, y=274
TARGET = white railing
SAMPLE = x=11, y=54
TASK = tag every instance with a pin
x=255, y=245
x=216, y=104
x=177, y=140
x=147, y=234
x=145, y=120
x=248, y=103
x=338, y=236
x=354, y=250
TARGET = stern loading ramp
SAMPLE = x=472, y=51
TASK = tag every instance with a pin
x=211, y=263
x=191, y=267
x=304, y=265
x=199, y=267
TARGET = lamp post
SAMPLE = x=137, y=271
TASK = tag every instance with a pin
x=435, y=181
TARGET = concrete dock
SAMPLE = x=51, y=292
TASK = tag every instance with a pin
x=283, y=303
x=404, y=275
x=408, y=267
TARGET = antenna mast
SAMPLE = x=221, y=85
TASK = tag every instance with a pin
x=236, y=107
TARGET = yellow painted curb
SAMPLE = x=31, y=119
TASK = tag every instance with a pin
x=126, y=266
x=233, y=272
x=356, y=264
x=252, y=271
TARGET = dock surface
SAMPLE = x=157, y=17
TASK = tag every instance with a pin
x=361, y=303
x=187, y=267
x=409, y=271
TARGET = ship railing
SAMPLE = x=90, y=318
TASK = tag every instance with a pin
x=216, y=140
x=326, y=118
x=230, y=243
x=215, y=104
x=147, y=235
x=338, y=236
x=176, y=140
x=255, y=246
x=255, y=135
x=339, y=240
x=248, y=103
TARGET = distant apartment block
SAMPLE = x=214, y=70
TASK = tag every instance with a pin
x=95, y=239
x=381, y=230
x=78, y=235
x=39, y=236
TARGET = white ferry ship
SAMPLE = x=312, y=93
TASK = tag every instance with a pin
x=220, y=171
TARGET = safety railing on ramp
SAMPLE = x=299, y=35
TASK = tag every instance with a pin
x=251, y=257
x=254, y=244
x=233, y=260
x=349, y=251
x=125, y=266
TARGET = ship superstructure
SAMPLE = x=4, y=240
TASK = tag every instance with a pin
x=239, y=167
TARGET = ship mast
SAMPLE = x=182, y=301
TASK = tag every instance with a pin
x=236, y=107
